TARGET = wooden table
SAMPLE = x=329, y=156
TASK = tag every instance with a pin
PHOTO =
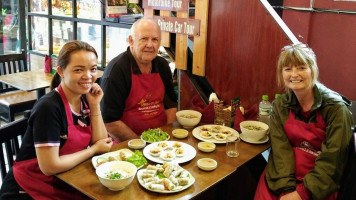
x=31, y=80
x=83, y=176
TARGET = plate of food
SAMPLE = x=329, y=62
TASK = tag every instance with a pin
x=154, y=135
x=135, y=158
x=179, y=152
x=214, y=133
x=166, y=178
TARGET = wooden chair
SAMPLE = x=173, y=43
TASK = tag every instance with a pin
x=12, y=100
x=9, y=136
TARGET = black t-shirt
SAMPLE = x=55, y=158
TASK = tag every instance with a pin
x=116, y=84
x=47, y=125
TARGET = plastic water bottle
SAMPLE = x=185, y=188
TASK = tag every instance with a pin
x=264, y=110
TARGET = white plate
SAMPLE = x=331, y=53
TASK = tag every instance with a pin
x=254, y=142
x=196, y=134
x=189, y=152
x=177, y=189
x=115, y=154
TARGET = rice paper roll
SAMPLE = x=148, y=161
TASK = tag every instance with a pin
x=168, y=184
x=148, y=180
x=184, y=174
x=151, y=167
x=160, y=169
x=146, y=175
x=150, y=171
x=177, y=172
x=173, y=180
x=183, y=181
x=168, y=171
x=157, y=187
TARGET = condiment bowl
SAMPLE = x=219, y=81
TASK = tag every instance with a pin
x=188, y=118
x=180, y=133
x=207, y=164
x=137, y=143
x=206, y=146
x=254, y=130
x=121, y=166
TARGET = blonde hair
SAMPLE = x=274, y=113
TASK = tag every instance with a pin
x=297, y=55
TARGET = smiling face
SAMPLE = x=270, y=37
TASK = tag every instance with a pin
x=297, y=78
x=80, y=72
x=145, y=41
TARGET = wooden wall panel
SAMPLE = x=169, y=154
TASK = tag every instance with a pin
x=243, y=46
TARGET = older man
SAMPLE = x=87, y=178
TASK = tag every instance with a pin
x=137, y=85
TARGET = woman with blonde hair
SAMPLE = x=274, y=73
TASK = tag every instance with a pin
x=310, y=131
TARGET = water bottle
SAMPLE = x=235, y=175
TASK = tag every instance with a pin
x=264, y=110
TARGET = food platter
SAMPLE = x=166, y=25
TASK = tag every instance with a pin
x=189, y=152
x=197, y=133
x=117, y=155
x=176, y=188
x=246, y=139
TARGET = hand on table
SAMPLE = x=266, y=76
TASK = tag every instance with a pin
x=102, y=146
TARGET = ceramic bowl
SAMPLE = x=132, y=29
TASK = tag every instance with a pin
x=206, y=146
x=116, y=184
x=254, y=130
x=180, y=133
x=188, y=118
x=137, y=143
x=207, y=164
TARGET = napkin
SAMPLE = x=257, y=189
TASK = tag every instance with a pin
x=250, y=114
x=48, y=64
x=207, y=111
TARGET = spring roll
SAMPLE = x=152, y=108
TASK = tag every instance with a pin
x=160, y=169
x=183, y=181
x=157, y=187
x=151, y=167
x=168, y=184
x=150, y=171
x=177, y=172
x=184, y=174
x=148, y=180
x=146, y=175
x=168, y=171
x=173, y=180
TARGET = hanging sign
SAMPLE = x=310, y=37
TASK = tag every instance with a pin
x=178, y=25
x=170, y=5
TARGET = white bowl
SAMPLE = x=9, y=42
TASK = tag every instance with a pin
x=188, y=118
x=220, y=137
x=168, y=156
x=180, y=133
x=155, y=151
x=137, y=143
x=206, y=146
x=254, y=135
x=116, y=184
x=206, y=134
x=207, y=164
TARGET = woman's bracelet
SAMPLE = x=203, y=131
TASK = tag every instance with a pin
x=96, y=115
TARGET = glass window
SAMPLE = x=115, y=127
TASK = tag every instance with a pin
x=62, y=33
x=89, y=9
x=116, y=42
x=91, y=34
x=9, y=27
x=39, y=6
x=62, y=7
x=39, y=30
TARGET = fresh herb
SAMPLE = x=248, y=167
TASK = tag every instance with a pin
x=137, y=159
x=160, y=175
x=115, y=175
x=154, y=135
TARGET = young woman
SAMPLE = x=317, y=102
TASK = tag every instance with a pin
x=310, y=131
x=65, y=128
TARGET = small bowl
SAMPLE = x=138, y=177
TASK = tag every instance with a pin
x=155, y=151
x=188, y=118
x=220, y=137
x=137, y=143
x=162, y=145
x=206, y=146
x=180, y=133
x=168, y=156
x=177, y=145
x=206, y=134
x=116, y=184
x=207, y=164
x=254, y=135
x=179, y=152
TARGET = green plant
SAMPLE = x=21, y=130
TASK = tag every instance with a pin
x=3, y=11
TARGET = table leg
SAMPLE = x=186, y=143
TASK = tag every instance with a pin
x=40, y=93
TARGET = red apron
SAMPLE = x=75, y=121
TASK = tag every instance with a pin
x=144, y=106
x=306, y=140
x=39, y=186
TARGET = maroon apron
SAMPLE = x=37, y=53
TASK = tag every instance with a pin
x=39, y=186
x=306, y=140
x=144, y=106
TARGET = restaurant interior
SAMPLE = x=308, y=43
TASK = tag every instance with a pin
x=233, y=57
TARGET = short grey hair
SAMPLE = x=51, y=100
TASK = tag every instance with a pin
x=140, y=21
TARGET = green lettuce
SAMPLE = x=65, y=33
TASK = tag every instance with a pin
x=137, y=159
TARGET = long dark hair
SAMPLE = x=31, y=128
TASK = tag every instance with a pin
x=64, y=56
